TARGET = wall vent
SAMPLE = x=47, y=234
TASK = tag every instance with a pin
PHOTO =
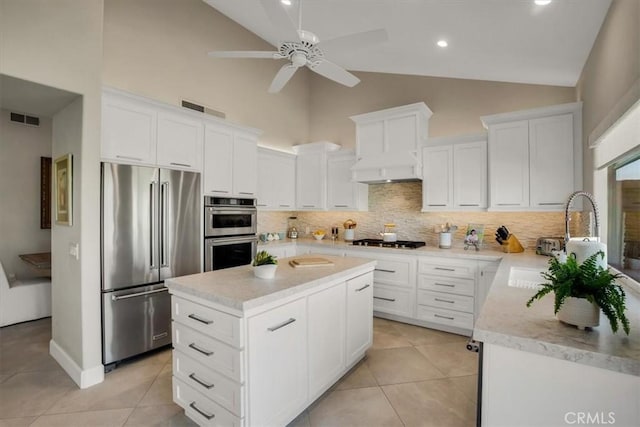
x=25, y=119
x=202, y=109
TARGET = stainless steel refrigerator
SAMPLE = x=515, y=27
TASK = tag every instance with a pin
x=150, y=231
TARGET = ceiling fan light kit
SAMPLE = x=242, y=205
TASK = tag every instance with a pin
x=304, y=48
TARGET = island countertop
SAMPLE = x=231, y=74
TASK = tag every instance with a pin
x=506, y=321
x=237, y=288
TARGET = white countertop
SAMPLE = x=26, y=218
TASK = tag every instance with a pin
x=506, y=321
x=237, y=288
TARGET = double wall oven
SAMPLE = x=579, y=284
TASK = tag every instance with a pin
x=229, y=232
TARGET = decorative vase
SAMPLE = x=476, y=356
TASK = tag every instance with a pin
x=579, y=312
x=265, y=271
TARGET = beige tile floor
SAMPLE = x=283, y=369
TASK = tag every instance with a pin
x=411, y=376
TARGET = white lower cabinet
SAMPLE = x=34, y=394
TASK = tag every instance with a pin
x=265, y=367
x=278, y=364
x=359, y=322
x=280, y=251
x=326, y=316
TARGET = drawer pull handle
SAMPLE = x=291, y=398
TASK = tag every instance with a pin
x=139, y=159
x=159, y=336
x=200, y=411
x=246, y=193
x=180, y=164
x=469, y=204
x=384, y=271
x=362, y=288
x=200, y=319
x=281, y=325
x=308, y=206
x=448, y=285
x=199, y=381
x=445, y=300
x=198, y=349
x=386, y=299
x=340, y=206
x=445, y=269
x=219, y=191
x=285, y=206
x=444, y=317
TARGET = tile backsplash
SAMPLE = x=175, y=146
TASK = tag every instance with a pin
x=401, y=204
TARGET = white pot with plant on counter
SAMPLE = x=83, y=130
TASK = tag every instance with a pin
x=265, y=265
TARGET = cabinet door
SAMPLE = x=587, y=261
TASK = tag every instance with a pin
x=551, y=161
x=284, y=175
x=128, y=131
x=437, y=185
x=245, y=165
x=402, y=133
x=470, y=175
x=342, y=193
x=179, y=142
x=277, y=364
x=486, y=272
x=310, y=181
x=370, y=139
x=218, y=159
x=509, y=165
x=266, y=180
x=326, y=317
x=359, y=316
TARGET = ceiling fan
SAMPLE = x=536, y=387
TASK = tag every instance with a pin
x=303, y=48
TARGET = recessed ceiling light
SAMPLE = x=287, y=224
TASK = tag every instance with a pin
x=442, y=43
x=286, y=2
x=542, y=2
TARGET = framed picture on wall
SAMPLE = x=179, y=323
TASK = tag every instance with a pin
x=63, y=186
x=45, y=192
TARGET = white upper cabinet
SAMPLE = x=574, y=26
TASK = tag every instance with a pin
x=276, y=180
x=455, y=173
x=311, y=174
x=230, y=161
x=535, y=157
x=141, y=131
x=129, y=129
x=179, y=141
x=388, y=143
x=342, y=192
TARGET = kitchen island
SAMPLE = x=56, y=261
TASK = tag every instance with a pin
x=539, y=371
x=251, y=351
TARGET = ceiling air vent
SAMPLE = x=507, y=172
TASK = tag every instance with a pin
x=202, y=109
x=25, y=119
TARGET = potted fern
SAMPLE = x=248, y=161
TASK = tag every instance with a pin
x=265, y=265
x=582, y=290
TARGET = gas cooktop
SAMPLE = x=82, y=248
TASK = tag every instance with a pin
x=400, y=244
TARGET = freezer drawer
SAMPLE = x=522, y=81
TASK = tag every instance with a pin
x=134, y=321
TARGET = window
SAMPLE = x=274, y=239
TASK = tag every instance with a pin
x=624, y=214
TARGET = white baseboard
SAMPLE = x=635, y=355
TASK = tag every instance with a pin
x=83, y=379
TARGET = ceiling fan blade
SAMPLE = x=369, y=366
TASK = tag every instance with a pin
x=242, y=54
x=281, y=20
x=355, y=41
x=284, y=75
x=334, y=72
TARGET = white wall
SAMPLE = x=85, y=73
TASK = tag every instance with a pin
x=21, y=147
x=59, y=44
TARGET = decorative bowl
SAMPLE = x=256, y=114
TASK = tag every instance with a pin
x=318, y=236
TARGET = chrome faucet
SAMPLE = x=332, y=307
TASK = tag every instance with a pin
x=567, y=218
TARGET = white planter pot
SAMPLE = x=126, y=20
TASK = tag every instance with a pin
x=579, y=312
x=445, y=240
x=267, y=271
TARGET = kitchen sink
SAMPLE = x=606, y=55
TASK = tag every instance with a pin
x=527, y=278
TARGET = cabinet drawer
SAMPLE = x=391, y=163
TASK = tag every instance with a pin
x=446, y=301
x=452, y=285
x=445, y=317
x=388, y=299
x=200, y=409
x=208, y=351
x=394, y=272
x=209, y=321
x=208, y=382
x=447, y=267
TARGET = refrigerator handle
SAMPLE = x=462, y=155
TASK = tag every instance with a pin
x=164, y=194
x=153, y=222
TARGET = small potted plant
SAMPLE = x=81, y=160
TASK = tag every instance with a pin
x=582, y=290
x=265, y=265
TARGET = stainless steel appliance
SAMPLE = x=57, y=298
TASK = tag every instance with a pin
x=399, y=244
x=547, y=245
x=150, y=231
x=230, y=232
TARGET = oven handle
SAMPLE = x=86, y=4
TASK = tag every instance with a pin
x=232, y=210
x=222, y=241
